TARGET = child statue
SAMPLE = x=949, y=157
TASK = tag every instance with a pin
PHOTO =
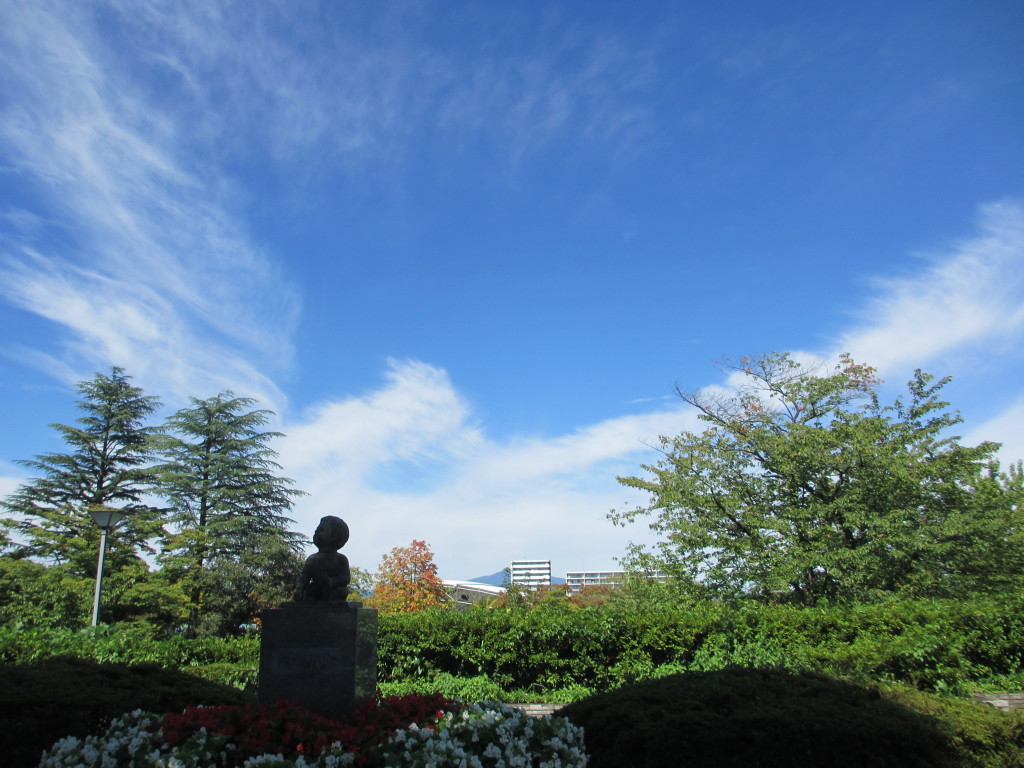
x=325, y=576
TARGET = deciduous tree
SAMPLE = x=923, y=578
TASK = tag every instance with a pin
x=34, y=595
x=235, y=589
x=805, y=486
x=361, y=585
x=407, y=580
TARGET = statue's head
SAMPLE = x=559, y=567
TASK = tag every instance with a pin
x=332, y=533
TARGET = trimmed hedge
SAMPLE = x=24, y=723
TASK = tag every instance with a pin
x=532, y=653
x=933, y=645
x=748, y=717
x=47, y=699
x=126, y=643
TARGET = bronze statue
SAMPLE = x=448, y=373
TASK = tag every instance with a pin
x=325, y=576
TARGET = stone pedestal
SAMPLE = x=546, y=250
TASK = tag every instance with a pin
x=321, y=655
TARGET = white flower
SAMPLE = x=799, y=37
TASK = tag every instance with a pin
x=491, y=732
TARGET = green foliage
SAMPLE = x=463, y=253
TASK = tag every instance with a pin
x=534, y=649
x=234, y=591
x=230, y=556
x=34, y=594
x=361, y=584
x=45, y=700
x=104, y=469
x=744, y=717
x=559, y=653
x=130, y=644
x=479, y=688
x=219, y=475
x=943, y=645
x=244, y=677
x=232, y=543
x=805, y=487
x=136, y=594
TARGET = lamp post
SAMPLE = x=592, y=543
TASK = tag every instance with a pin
x=106, y=518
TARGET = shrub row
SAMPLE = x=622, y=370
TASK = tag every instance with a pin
x=932, y=645
x=125, y=643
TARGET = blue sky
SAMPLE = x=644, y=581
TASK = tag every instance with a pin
x=465, y=250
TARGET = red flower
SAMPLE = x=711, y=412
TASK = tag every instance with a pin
x=292, y=730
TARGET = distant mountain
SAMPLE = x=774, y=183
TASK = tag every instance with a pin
x=497, y=579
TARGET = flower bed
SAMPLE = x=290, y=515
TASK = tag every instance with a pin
x=403, y=731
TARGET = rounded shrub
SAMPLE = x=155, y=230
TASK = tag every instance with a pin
x=48, y=699
x=766, y=717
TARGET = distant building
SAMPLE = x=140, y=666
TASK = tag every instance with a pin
x=466, y=593
x=577, y=580
x=531, y=573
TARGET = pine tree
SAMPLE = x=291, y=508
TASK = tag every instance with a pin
x=105, y=469
x=225, y=498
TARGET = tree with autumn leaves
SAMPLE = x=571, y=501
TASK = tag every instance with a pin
x=407, y=580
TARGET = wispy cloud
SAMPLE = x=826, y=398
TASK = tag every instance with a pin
x=589, y=91
x=970, y=294
x=361, y=98
x=146, y=261
x=149, y=269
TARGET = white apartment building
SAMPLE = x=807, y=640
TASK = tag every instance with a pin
x=531, y=573
x=577, y=580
